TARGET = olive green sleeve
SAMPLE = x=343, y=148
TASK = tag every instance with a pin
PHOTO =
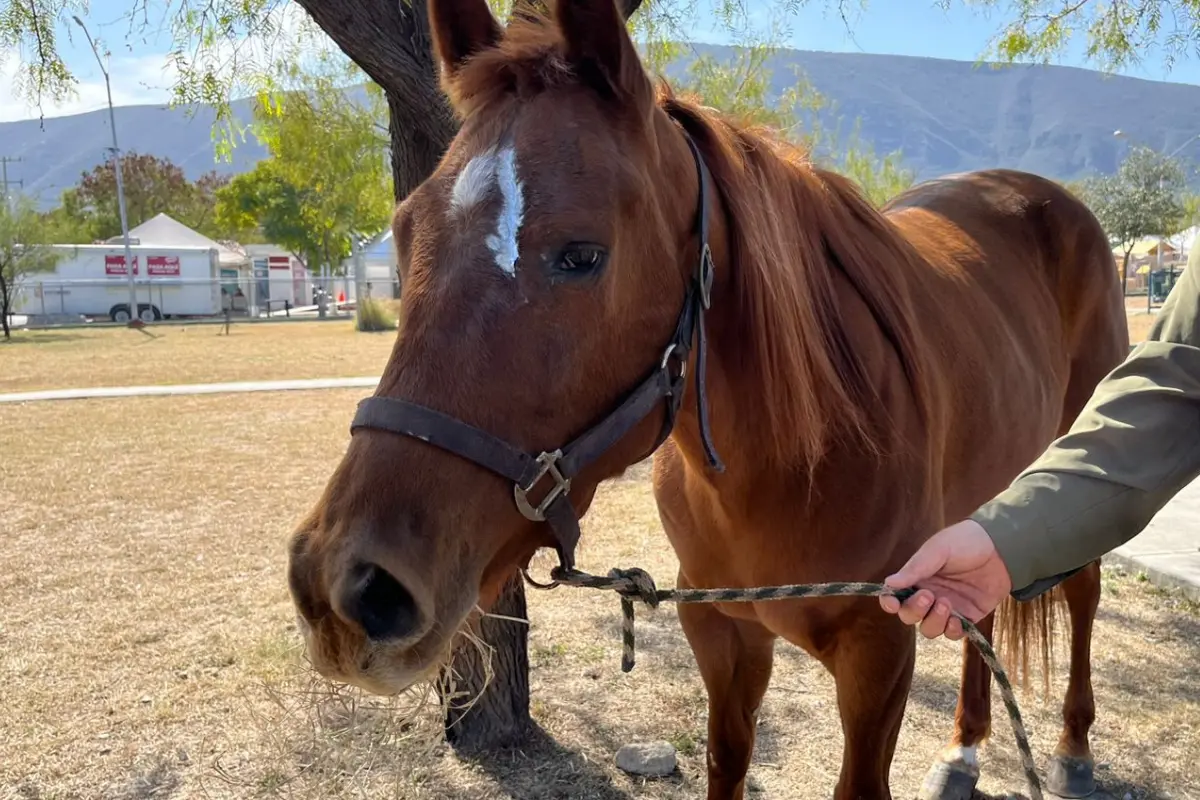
x=1133, y=447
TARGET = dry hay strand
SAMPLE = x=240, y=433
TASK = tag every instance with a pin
x=321, y=738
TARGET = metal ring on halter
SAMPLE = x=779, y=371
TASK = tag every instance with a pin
x=535, y=584
x=666, y=359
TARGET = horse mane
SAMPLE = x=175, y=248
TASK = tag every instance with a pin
x=791, y=224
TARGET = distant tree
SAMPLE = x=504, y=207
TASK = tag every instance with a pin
x=153, y=185
x=326, y=177
x=265, y=202
x=199, y=212
x=23, y=251
x=1190, y=213
x=1142, y=199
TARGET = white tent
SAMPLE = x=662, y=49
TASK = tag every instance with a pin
x=164, y=231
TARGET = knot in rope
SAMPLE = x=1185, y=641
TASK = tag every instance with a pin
x=635, y=583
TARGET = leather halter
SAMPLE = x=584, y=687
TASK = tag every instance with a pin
x=667, y=381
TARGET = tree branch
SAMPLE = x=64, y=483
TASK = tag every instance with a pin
x=389, y=41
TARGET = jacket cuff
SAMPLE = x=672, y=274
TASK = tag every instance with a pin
x=1017, y=534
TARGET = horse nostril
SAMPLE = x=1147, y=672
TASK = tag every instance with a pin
x=384, y=608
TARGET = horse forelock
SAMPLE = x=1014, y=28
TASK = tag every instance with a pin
x=528, y=60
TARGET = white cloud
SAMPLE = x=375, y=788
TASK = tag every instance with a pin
x=136, y=80
x=149, y=78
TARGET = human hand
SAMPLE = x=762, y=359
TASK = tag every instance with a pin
x=958, y=569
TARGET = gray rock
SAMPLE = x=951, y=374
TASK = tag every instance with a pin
x=653, y=759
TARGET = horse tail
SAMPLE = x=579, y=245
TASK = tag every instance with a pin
x=1027, y=629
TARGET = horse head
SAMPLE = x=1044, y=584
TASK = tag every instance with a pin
x=555, y=272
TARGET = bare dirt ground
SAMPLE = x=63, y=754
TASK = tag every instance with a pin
x=169, y=354
x=1140, y=324
x=147, y=647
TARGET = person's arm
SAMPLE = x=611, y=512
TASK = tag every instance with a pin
x=1133, y=447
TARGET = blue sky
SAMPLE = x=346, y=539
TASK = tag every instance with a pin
x=905, y=27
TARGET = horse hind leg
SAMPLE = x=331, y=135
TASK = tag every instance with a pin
x=956, y=772
x=1023, y=631
x=1072, y=767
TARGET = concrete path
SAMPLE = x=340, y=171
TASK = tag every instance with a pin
x=1168, y=550
x=191, y=388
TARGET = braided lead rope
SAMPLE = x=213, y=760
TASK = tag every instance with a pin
x=636, y=584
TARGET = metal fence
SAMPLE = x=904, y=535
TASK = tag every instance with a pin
x=53, y=298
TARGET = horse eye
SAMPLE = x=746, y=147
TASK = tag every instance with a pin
x=581, y=258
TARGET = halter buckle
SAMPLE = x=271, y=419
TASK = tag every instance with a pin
x=562, y=485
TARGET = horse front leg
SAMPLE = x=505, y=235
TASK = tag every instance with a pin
x=955, y=774
x=872, y=665
x=735, y=659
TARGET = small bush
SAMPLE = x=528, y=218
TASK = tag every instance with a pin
x=374, y=315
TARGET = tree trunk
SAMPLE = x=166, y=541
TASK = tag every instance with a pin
x=5, y=303
x=414, y=155
x=390, y=42
x=480, y=718
x=1125, y=273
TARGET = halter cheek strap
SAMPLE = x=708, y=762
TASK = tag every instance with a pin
x=667, y=381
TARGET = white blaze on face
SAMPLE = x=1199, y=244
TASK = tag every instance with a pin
x=471, y=187
x=473, y=182
x=512, y=210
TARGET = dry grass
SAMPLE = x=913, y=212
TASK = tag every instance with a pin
x=76, y=358
x=147, y=647
x=202, y=353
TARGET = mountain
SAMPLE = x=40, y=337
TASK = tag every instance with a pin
x=946, y=116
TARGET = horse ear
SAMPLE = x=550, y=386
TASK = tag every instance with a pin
x=599, y=48
x=461, y=28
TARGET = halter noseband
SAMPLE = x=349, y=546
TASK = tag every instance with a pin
x=666, y=382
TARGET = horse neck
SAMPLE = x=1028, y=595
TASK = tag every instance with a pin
x=802, y=337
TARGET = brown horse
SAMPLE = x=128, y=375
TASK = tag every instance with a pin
x=837, y=383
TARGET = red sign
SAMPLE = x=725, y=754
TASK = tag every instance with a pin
x=279, y=262
x=115, y=265
x=161, y=265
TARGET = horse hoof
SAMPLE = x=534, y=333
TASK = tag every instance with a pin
x=1071, y=777
x=950, y=780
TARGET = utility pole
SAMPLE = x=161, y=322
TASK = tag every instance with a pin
x=4, y=162
x=116, y=154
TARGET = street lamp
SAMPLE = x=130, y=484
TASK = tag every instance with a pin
x=116, y=154
x=1120, y=134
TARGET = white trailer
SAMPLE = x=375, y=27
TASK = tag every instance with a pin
x=92, y=281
